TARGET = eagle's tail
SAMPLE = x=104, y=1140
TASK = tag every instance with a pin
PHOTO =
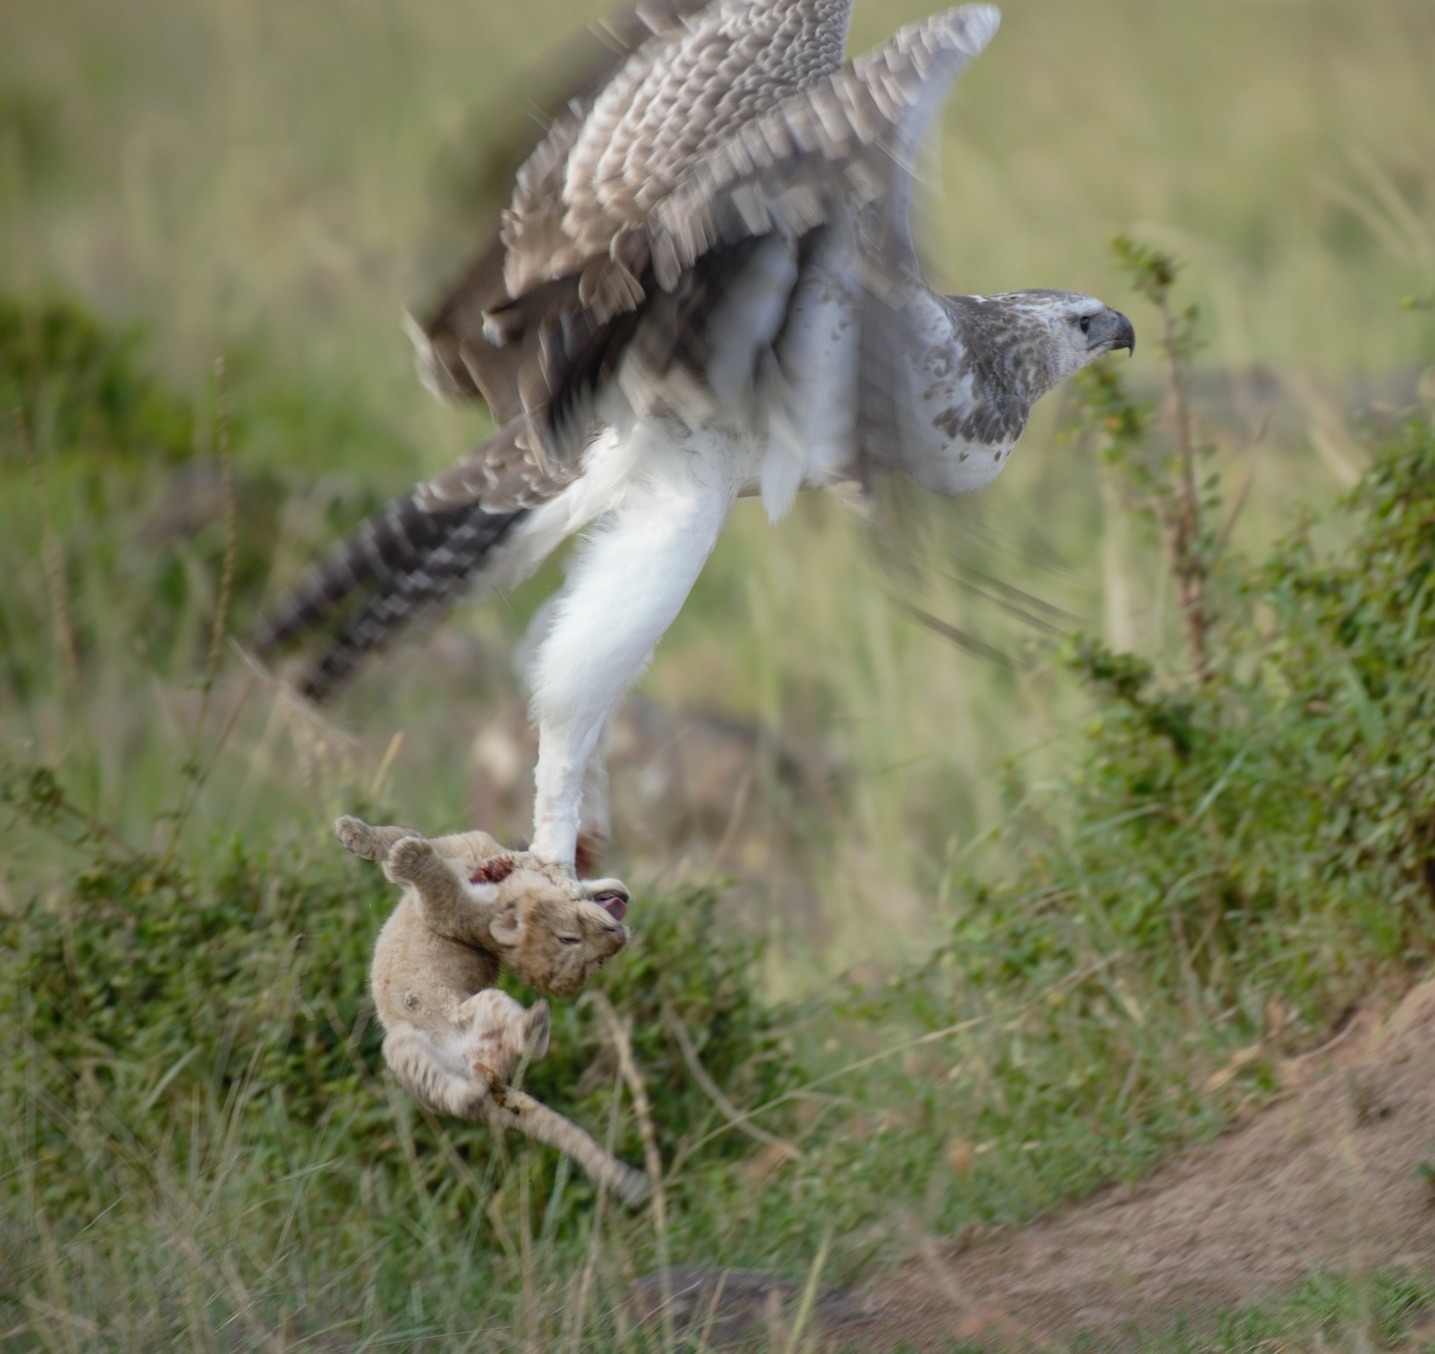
x=401, y=564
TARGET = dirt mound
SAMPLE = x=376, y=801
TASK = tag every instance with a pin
x=1327, y=1178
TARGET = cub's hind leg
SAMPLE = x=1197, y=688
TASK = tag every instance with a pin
x=436, y=1072
x=502, y=1034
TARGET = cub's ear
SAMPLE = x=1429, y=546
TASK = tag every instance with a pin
x=506, y=928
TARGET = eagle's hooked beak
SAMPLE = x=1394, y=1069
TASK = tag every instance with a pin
x=1116, y=333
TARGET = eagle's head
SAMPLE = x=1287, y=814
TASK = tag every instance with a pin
x=1011, y=349
x=1053, y=334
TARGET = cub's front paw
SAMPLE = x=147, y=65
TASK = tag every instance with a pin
x=409, y=858
x=359, y=837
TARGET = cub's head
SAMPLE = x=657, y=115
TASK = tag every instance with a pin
x=554, y=932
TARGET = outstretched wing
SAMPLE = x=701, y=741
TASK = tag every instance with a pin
x=640, y=206
x=845, y=145
x=682, y=76
x=546, y=311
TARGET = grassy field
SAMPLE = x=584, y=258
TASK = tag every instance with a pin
x=197, y=1146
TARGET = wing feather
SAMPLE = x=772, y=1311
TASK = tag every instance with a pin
x=654, y=105
x=455, y=359
x=620, y=228
x=845, y=144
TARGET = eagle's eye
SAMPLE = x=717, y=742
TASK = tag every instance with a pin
x=1085, y=323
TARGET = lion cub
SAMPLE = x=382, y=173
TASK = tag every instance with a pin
x=469, y=908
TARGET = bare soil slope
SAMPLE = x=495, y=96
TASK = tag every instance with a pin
x=1328, y=1178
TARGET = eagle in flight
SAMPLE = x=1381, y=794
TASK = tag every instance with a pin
x=704, y=286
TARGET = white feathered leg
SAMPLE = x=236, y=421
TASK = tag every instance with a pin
x=595, y=821
x=595, y=826
x=625, y=588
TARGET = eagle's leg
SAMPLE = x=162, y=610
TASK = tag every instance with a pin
x=595, y=823
x=595, y=820
x=625, y=588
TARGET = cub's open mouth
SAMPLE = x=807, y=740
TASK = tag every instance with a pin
x=614, y=902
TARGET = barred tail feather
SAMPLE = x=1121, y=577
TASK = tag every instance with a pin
x=402, y=563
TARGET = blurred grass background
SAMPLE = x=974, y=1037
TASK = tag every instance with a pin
x=195, y=1138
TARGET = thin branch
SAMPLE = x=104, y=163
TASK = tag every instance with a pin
x=652, y=1158
x=1182, y=527
x=713, y=1091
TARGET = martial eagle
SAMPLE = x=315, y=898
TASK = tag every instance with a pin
x=704, y=287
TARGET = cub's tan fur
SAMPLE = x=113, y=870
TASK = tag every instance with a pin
x=470, y=908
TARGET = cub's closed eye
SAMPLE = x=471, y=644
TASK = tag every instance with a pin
x=570, y=940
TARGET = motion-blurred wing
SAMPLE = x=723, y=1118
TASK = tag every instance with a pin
x=681, y=76
x=457, y=363
x=725, y=127
x=844, y=145
x=542, y=318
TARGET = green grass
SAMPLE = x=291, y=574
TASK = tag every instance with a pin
x=1074, y=888
x=200, y=1148
x=1326, y=1312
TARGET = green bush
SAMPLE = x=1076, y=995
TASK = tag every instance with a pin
x=81, y=389
x=1239, y=847
x=153, y=988
x=1264, y=819
x=1272, y=820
